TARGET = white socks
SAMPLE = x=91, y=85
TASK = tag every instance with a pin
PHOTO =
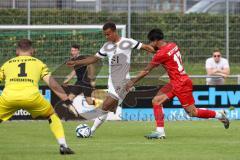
x=97, y=122
x=218, y=115
x=62, y=141
x=160, y=129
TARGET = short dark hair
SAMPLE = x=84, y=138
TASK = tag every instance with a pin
x=155, y=34
x=76, y=46
x=110, y=25
x=216, y=50
x=24, y=44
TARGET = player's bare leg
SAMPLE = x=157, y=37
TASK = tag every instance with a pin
x=204, y=113
x=157, y=102
x=109, y=104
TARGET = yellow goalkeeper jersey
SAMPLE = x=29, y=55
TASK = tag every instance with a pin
x=21, y=75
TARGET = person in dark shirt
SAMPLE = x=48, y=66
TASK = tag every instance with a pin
x=85, y=78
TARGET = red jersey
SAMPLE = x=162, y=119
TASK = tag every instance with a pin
x=170, y=58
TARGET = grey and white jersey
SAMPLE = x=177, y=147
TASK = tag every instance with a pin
x=119, y=58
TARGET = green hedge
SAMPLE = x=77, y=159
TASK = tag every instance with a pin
x=197, y=34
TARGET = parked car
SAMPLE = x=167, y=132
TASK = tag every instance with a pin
x=215, y=7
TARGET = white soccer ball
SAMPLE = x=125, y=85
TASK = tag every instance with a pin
x=83, y=131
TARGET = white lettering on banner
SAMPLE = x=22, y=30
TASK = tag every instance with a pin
x=171, y=114
x=21, y=112
x=226, y=97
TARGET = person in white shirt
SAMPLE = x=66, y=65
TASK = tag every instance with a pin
x=217, y=66
x=118, y=51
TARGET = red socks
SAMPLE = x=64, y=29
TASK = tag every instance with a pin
x=158, y=114
x=202, y=113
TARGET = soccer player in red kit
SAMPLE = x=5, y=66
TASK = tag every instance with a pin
x=180, y=85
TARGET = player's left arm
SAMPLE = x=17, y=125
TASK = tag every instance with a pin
x=140, y=75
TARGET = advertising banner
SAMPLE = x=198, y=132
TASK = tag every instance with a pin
x=137, y=105
x=223, y=96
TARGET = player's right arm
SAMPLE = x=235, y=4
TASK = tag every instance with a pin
x=86, y=61
x=90, y=59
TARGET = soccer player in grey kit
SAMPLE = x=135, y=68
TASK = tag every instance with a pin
x=118, y=50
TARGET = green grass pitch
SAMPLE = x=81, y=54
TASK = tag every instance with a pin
x=186, y=140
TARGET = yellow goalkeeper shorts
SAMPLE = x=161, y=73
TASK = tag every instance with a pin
x=37, y=107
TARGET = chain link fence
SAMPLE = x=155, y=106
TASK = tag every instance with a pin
x=198, y=28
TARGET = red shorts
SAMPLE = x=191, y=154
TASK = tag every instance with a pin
x=183, y=91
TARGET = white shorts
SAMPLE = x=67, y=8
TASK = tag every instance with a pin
x=117, y=92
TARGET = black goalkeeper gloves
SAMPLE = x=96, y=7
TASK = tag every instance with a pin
x=68, y=104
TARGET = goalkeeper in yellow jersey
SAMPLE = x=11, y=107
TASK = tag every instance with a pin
x=21, y=75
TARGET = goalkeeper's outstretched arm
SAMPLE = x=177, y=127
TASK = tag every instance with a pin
x=86, y=61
